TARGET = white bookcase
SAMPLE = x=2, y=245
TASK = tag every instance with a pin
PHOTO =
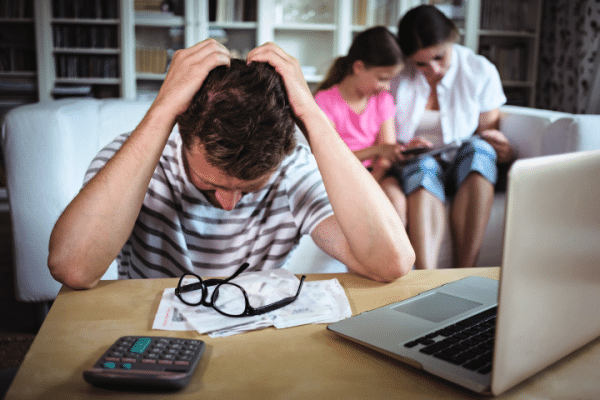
x=69, y=33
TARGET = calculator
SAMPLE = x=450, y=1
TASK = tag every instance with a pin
x=146, y=362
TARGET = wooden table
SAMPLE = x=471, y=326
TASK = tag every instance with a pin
x=306, y=362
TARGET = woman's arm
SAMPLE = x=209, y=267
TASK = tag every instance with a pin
x=489, y=122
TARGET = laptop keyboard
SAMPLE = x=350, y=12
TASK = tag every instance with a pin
x=468, y=343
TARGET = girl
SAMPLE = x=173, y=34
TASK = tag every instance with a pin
x=355, y=97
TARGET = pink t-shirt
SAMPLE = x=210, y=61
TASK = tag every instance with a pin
x=357, y=130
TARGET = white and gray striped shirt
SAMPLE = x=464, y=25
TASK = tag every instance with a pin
x=179, y=231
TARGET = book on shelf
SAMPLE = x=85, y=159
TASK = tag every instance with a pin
x=72, y=90
x=17, y=9
x=85, y=36
x=222, y=11
x=509, y=59
x=86, y=9
x=359, y=12
x=86, y=66
x=151, y=60
x=172, y=6
x=17, y=87
x=508, y=15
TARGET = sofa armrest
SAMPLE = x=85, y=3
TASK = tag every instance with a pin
x=572, y=133
x=525, y=128
x=47, y=148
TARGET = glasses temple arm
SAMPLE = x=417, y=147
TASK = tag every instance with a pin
x=280, y=303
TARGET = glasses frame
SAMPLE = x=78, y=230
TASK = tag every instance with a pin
x=248, y=309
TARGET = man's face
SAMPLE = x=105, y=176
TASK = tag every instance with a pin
x=222, y=190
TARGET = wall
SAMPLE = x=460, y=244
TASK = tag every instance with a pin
x=569, y=56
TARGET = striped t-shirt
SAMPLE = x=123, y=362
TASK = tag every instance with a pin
x=179, y=231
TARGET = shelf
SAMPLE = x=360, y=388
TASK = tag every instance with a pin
x=501, y=33
x=88, y=81
x=16, y=20
x=17, y=74
x=147, y=76
x=233, y=25
x=518, y=84
x=86, y=50
x=297, y=26
x=160, y=19
x=85, y=21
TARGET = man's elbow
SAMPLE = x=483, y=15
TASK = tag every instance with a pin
x=70, y=273
x=396, y=265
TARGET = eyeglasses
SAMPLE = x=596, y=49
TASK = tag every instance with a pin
x=229, y=299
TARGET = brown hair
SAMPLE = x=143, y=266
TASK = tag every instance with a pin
x=375, y=47
x=242, y=117
x=424, y=26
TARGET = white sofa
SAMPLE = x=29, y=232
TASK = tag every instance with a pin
x=48, y=146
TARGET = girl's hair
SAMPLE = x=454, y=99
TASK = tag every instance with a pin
x=424, y=26
x=375, y=47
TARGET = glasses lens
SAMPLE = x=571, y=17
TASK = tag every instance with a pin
x=229, y=299
x=191, y=290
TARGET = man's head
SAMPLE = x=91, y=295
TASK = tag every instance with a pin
x=240, y=120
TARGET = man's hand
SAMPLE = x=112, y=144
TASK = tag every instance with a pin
x=301, y=99
x=189, y=67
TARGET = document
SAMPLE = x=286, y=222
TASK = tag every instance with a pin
x=318, y=302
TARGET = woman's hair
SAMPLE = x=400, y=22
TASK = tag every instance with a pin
x=424, y=26
x=375, y=47
x=243, y=118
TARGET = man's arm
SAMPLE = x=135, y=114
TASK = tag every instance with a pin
x=365, y=233
x=96, y=224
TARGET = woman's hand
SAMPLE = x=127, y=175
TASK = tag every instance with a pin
x=499, y=142
x=418, y=142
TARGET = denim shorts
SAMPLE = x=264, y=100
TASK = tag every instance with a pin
x=443, y=178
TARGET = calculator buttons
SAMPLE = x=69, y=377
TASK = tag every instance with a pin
x=164, y=362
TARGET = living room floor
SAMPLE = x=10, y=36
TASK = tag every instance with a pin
x=17, y=319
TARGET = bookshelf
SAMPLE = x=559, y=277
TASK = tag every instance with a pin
x=509, y=35
x=85, y=46
x=121, y=48
x=18, y=64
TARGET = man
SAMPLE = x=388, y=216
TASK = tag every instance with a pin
x=164, y=203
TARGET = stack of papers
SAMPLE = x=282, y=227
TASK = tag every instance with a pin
x=318, y=302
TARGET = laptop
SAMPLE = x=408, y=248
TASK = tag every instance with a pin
x=488, y=336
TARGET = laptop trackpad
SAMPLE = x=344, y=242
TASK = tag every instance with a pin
x=436, y=307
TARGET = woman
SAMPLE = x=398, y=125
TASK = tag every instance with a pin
x=355, y=98
x=447, y=94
